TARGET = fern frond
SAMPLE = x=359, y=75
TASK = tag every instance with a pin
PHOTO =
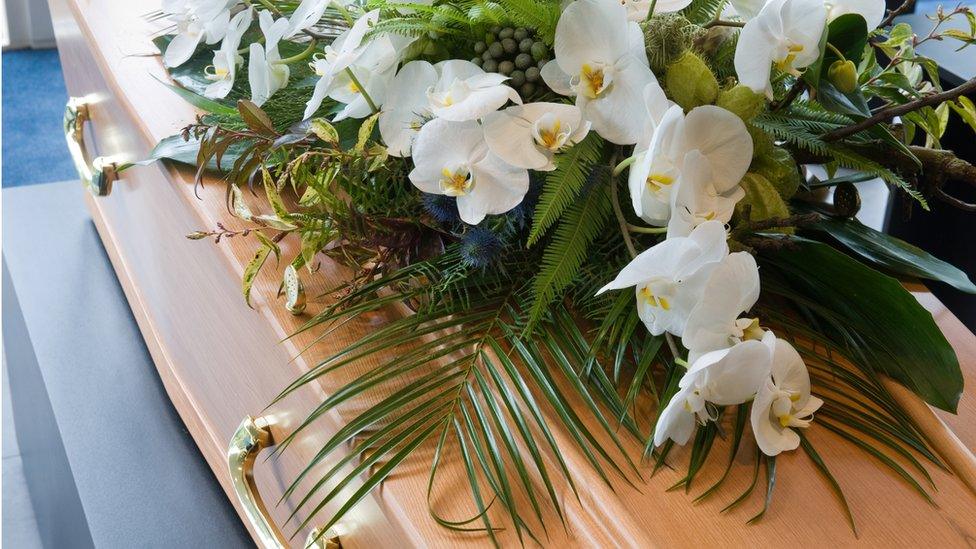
x=564, y=183
x=565, y=254
x=848, y=158
x=703, y=11
x=540, y=15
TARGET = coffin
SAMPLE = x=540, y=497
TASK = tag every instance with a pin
x=221, y=361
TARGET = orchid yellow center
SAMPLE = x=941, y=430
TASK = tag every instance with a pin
x=549, y=134
x=593, y=81
x=657, y=182
x=456, y=182
x=786, y=64
x=654, y=300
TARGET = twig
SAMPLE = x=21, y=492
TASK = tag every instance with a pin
x=794, y=92
x=903, y=8
x=887, y=114
x=619, y=213
x=949, y=199
x=723, y=23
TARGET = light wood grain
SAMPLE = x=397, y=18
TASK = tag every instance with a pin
x=220, y=360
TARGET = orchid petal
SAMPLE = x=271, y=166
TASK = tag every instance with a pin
x=407, y=106
x=591, y=31
x=616, y=116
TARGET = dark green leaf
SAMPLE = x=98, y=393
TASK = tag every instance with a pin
x=899, y=337
x=255, y=118
x=175, y=148
x=893, y=254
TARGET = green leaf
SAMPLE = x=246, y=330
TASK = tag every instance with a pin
x=252, y=269
x=563, y=184
x=834, y=485
x=177, y=149
x=894, y=254
x=192, y=74
x=834, y=100
x=899, y=337
x=763, y=199
x=325, y=131
x=200, y=101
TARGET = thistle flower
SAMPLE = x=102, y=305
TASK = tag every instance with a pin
x=479, y=247
x=442, y=208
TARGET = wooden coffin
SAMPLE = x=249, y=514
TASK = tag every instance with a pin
x=221, y=361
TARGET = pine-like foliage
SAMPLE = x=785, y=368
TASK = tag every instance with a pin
x=569, y=248
x=703, y=11
x=563, y=184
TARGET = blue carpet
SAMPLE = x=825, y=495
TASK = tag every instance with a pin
x=33, y=104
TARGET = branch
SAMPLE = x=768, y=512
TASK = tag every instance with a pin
x=794, y=92
x=903, y=8
x=888, y=113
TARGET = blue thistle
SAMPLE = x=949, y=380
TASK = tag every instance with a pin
x=520, y=216
x=442, y=208
x=479, y=247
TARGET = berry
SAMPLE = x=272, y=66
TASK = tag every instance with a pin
x=542, y=63
x=539, y=51
x=496, y=50
x=480, y=47
x=477, y=61
x=525, y=45
x=509, y=45
x=490, y=65
x=506, y=67
x=495, y=29
x=507, y=32
x=532, y=74
x=487, y=56
x=516, y=79
x=527, y=89
x=520, y=34
x=524, y=61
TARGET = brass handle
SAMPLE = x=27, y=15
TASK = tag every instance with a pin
x=99, y=175
x=251, y=437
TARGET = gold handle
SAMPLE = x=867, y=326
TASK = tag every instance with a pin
x=99, y=175
x=251, y=437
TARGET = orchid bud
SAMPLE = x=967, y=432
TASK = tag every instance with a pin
x=843, y=75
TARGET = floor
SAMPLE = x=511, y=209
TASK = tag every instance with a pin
x=34, y=152
x=34, y=96
x=19, y=525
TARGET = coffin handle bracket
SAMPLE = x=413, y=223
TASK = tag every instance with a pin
x=99, y=174
x=251, y=437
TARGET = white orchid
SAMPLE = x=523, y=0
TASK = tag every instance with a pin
x=465, y=92
x=784, y=402
x=600, y=59
x=343, y=52
x=670, y=277
x=639, y=10
x=871, y=10
x=656, y=105
x=196, y=21
x=696, y=200
x=724, y=378
x=529, y=136
x=265, y=73
x=714, y=323
x=452, y=159
x=785, y=32
x=226, y=59
x=305, y=15
x=407, y=106
x=721, y=141
x=374, y=69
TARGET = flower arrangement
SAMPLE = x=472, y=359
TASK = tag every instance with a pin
x=505, y=168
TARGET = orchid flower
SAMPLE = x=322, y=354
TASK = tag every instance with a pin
x=465, y=92
x=196, y=21
x=670, y=277
x=452, y=159
x=723, y=378
x=225, y=59
x=871, y=10
x=306, y=14
x=265, y=73
x=639, y=10
x=723, y=145
x=600, y=59
x=529, y=136
x=696, y=200
x=374, y=69
x=785, y=32
x=714, y=323
x=343, y=52
x=784, y=402
x=407, y=107
x=656, y=105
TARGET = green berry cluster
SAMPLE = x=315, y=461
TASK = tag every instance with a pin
x=515, y=53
